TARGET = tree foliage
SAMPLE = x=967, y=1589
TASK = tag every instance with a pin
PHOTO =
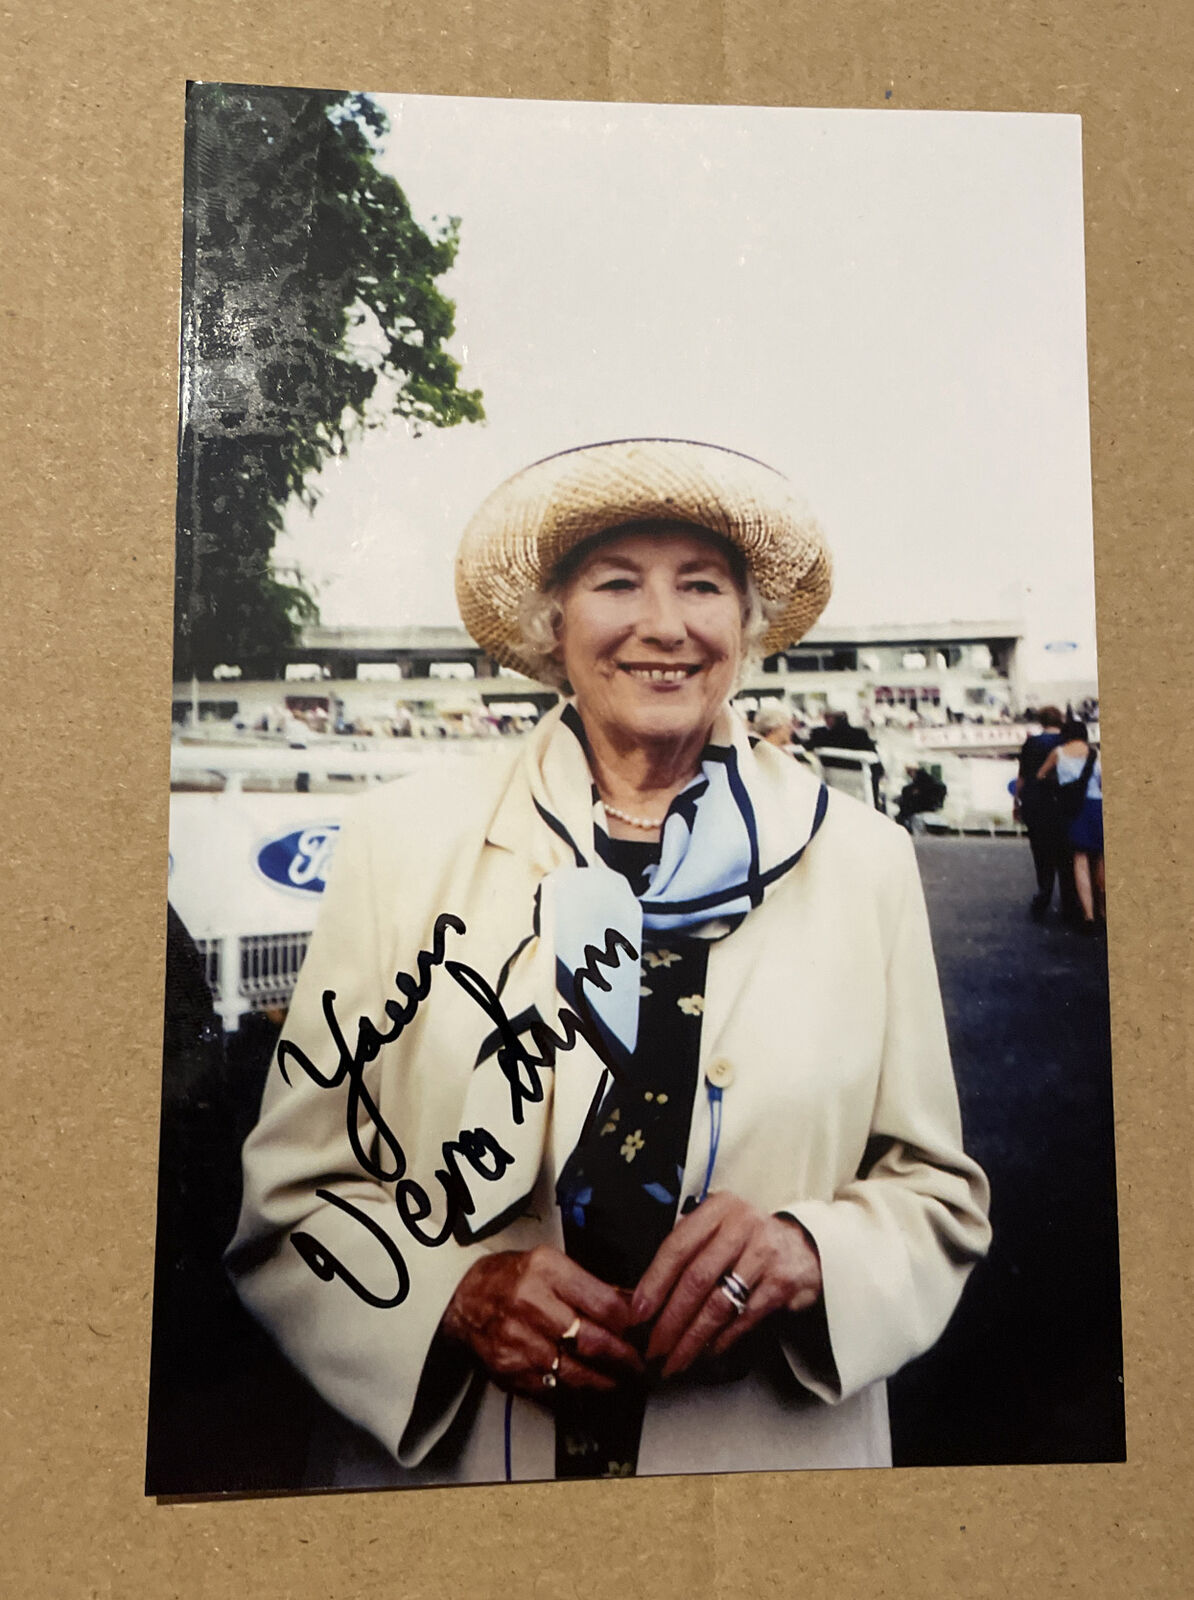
x=310, y=311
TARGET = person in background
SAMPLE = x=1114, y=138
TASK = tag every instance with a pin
x=839, y=733
x=923, y=792
x=1080, y=792
x=773, y=724
x=1036, y=807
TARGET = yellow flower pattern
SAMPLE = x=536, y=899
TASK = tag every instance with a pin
x=620, y=1189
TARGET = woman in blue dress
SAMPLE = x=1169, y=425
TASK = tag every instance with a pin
x=1076, y=763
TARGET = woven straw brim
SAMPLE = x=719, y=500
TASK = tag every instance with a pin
x=522, y=532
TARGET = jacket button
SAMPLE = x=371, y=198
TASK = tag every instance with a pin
x=720, y=1073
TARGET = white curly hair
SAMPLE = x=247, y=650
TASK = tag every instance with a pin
x=772, y=714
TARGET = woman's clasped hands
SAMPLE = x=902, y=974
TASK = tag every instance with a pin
x=535, y=1318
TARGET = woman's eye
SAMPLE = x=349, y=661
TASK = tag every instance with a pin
x=704, y=586
x=619, y=585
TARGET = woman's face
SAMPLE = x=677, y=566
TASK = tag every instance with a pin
x=651, y=636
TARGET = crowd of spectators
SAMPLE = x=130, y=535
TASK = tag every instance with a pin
x=298, y=718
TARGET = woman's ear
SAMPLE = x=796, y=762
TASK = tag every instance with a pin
x=556, y=618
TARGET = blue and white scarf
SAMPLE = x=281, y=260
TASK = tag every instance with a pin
x=709, y=876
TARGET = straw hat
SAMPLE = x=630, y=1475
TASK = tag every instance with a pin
x=521, y=533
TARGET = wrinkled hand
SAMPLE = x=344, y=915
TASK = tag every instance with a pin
x=775, y=1257
x=510, y=1310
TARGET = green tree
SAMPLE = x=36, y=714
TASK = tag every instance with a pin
x=310, y=311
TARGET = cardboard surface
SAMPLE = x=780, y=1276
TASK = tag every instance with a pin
x=91, y=201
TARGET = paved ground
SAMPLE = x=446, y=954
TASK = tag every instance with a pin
x=1029, y=1370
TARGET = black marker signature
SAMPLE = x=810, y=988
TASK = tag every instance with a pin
x=370, y=1039
x=477, y=1147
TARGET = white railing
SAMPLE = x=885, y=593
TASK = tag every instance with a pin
x=852, y=771
x=252, y=972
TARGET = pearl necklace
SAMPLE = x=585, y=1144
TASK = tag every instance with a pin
x=635, y=822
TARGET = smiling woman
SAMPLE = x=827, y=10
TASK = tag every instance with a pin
x=650, y=640
x=706, y=1239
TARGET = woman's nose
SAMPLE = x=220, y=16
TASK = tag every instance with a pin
x=661, y=620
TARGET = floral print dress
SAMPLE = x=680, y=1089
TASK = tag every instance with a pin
x=619, y=1190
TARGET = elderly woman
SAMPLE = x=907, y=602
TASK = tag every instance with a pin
x=537, y=1189
x=773, y=722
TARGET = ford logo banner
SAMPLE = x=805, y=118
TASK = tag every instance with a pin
x=299, y=860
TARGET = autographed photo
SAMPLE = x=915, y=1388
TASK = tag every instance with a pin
x=636, y=993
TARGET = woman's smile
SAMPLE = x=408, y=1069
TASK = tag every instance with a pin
x=663, y=676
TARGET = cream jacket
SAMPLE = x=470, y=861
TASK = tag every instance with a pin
x=823, y=1022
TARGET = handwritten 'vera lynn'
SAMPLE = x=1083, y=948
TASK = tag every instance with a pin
x=519, y=1064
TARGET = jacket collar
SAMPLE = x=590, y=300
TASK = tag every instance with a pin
x=516, y=824
x=783, y=792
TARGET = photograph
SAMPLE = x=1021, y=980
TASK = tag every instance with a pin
x=636, y=994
